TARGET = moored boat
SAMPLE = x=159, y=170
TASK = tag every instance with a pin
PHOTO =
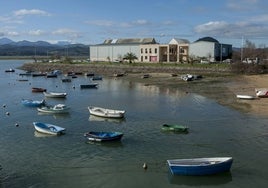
x=90, y=85
x=54, y=94
x=33, y=103
x=38, y=89
x=104, y=112
x=200, y=166
x=57, y=109
x=103, y=136
x=48, y=128
x=174, y=128
x=10, y=70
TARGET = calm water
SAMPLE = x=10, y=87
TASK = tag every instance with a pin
x=29, y=159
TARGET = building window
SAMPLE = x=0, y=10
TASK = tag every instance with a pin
x=142, y=51
x=146, y=50
x=145, y=57
x=155, y=50
x=150, y=50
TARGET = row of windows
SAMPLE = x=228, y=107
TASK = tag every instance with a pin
x=150, y=50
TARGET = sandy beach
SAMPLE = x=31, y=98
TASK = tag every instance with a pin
x=219, y=86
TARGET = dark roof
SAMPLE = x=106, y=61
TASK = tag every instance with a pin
x=130, y=41
x=207, y=39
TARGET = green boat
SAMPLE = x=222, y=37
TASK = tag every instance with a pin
x=175, y=128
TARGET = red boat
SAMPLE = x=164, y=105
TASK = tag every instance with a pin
x=38, y=89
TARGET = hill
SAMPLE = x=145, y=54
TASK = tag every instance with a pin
x=41, y=48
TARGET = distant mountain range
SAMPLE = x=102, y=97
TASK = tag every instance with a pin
x=41, y=48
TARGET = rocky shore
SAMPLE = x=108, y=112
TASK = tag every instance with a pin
x=216, y=84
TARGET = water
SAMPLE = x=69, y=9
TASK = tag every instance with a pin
x=30, y=159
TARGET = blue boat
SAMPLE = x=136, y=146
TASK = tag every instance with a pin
x=48, y=128
x=33, y=103
x=200, y=166
x=103, y=136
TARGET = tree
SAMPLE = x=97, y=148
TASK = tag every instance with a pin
x=130, y=57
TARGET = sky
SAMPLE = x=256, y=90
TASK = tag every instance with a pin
x=93, y=21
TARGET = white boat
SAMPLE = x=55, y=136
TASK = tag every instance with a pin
x=261, y=92
x=57, y=109
x=246, y=97
x=55, y=95
x=104, y=112
x=48, y=128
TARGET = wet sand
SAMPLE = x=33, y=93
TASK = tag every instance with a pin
x=223, y=89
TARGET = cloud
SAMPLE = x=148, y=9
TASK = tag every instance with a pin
x=37, y=32
x=101, y=23
x=69, y=33
x=242, y=5
x=211, y=27
x=25, y=12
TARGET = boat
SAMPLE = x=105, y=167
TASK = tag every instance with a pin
x=104, y=112
x=97, y=77
x=90, y=85
x=103, y=136
x=48, y=128
x=33, y=103
x=36, y=74
x=200, y=166
x=187, y=77
x=118, y=74
x=10, y=70
x=57, y=109
x=174, y=128
x=261, y=92
x=246, y=97
x=52, y=75
x=54, y=94
x=145, y=76
x=66, y=80
x=38, y=89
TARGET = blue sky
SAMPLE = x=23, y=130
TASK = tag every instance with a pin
x=93, y=21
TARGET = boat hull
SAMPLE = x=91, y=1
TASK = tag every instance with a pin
x=48, y=128
x=103, y=136
x=174, y=128
x=55, y=95
x=32, y=103
x=203, y=166
x=107, y=113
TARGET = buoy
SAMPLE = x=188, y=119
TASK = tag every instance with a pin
x=144, y=166
x=4, y=105
x=16, y=124
x=73, y=87
x=7, y=113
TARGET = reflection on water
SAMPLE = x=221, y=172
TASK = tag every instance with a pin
x=196, y=181
x=56, y=116
x=43, y=135
x=112, y=120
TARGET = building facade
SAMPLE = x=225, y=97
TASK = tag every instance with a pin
x=148, y=50
x=210, y=49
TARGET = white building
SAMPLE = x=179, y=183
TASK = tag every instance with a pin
x=210, y=49
x=114, y=50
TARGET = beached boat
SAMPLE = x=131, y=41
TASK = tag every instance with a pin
x=36, y=74
x=145, y=76
x=104, y=112
x=200, y=166
x=55, y=94
x=33, y=103
x=97, y=77
x=103, y=136
x=246, y=97
x=57, y=109
x=90, y=85
x=174, y=128
x=48, y=128
x=38, y=89
x=261, y=92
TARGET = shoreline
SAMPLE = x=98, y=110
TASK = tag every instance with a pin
x=217, y=85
